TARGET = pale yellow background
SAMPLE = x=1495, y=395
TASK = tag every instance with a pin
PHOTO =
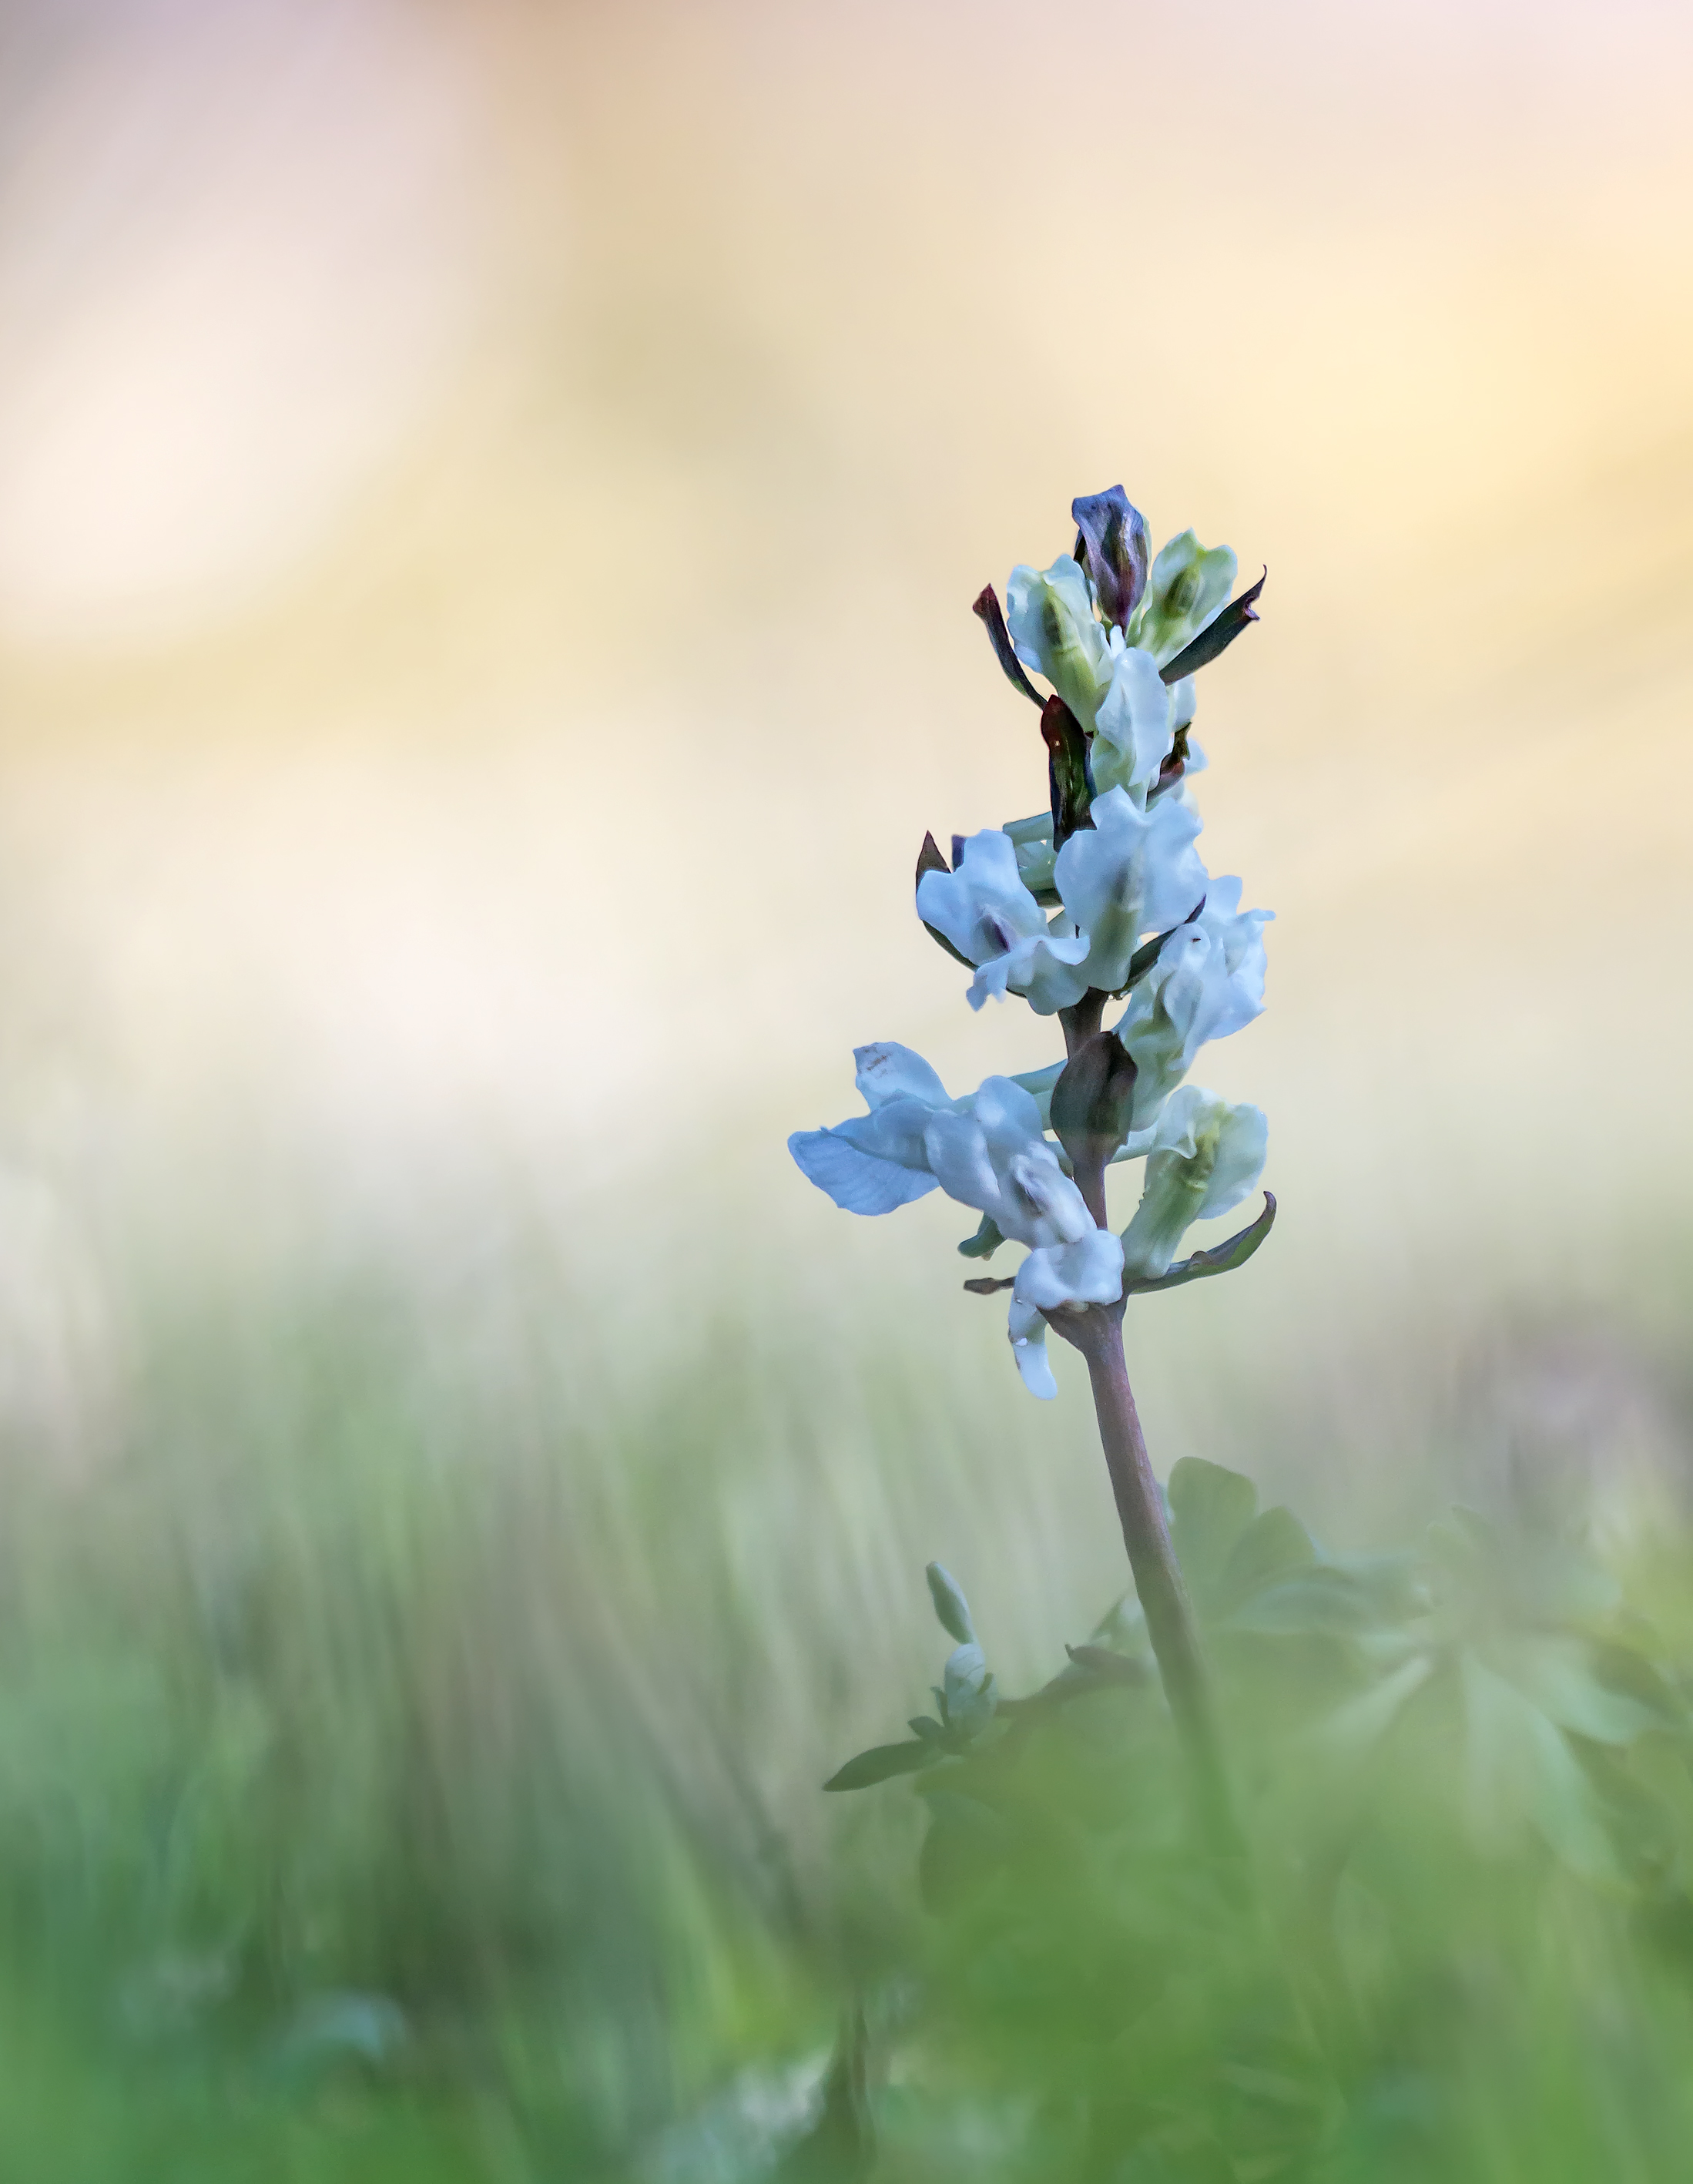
x=490, y=496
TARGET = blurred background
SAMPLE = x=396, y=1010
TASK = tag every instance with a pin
x=491, y=492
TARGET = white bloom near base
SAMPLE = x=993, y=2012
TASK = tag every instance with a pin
x=996, y=1159
x=1069, y=1275
x=1208, y=982
x=1055, y=1279
x=993, y=921
x=1206, y=1156
x=1132, y=871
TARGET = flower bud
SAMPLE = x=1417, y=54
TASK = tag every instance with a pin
x=1115, y=549
x=952, y=1609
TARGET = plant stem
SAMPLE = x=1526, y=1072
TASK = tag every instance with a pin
x=1097, y=1333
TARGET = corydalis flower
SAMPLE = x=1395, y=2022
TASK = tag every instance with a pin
x=1131, y=872
x=871, y=1163
x=996, y=1158
x=1112, y=687
x=988, y=1151
x=1205, y=1157
x=993, y=921
x=1117, y=853
x=1207, y=982
x=1187, y=588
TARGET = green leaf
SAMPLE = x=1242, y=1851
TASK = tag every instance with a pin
x=1520, y=1772
x=881, y=1763
x=1353, y=1730
x=1273, y=1546
x=966, y=1845
x=1210, y=1509
x=1320, y=1601
x=1560, y=1675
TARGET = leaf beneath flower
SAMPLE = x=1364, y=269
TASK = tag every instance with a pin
x=881, y=1763
x=1234, y=1252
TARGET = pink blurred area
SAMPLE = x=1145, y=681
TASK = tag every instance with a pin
x=491, y=492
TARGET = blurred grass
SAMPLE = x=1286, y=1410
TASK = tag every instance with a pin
x=410, y=1732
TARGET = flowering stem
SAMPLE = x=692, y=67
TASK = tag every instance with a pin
x=1097, y=1333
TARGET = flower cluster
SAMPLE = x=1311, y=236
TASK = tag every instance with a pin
x=1118, y=636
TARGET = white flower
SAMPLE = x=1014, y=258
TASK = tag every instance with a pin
x=1208, y=982
x=1206, y=1156
x=992, y=921
x=874, y=1162
x=1090, y=1272
x=996, y=1159
x=1135, y=727
x=1049, y=613
x=1130, y=871
x=1186, y=588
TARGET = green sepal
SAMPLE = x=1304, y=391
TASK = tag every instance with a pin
x=987, y=606
x=1069, y=777
x=1218, y=635
x=1234, y=1252
x=930, y=859
x=984, y=1243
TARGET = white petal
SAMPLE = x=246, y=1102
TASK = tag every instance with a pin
x=1087, y=1272
x=1049, y=614
x=1040, y=1205
x=1027, y=1330
x=1134, y=729
x=1175, y=877
x=957, y=1155
x=1007, y=1113
x=888, y=1071
x=892, y=1132
x=1241, y=1153
x=857, y=1181
x=1126, y=873
x=983, y=908
x=1185, y=588
x=1208, y=1155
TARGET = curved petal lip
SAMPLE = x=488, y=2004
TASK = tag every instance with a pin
x=857, y=1181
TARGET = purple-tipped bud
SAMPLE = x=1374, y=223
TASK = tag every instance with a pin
x=1115, y=550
